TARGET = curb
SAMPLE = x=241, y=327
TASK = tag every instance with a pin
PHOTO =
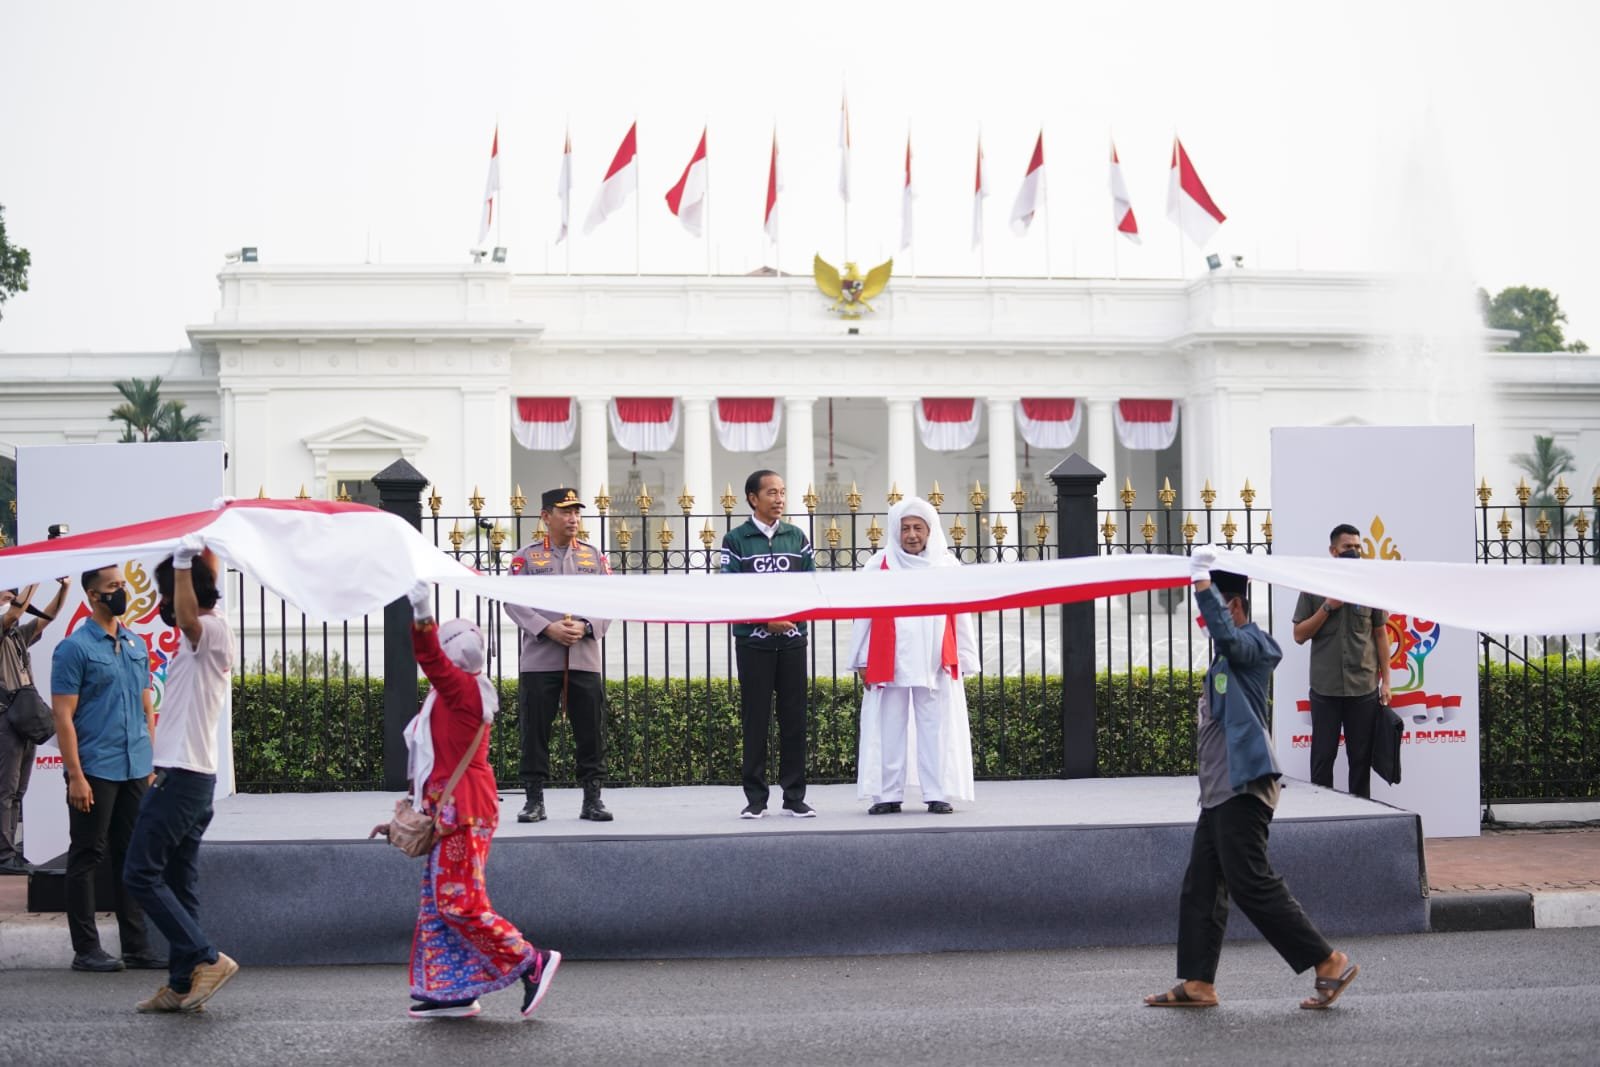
x=1450, y=913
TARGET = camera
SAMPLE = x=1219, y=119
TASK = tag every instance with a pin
x=56, y=529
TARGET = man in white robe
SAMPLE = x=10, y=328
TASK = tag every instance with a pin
x=913, y=667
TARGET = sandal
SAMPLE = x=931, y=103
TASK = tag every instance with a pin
x=1177, y=997
x=1328, y=989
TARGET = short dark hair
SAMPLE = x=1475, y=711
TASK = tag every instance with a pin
x=1341, y=530
x=205, y=583
x=752, y=484
x=88, y=577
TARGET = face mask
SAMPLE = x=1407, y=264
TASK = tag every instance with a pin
x=168, y=615
x=1350, y=553
x=116, y=602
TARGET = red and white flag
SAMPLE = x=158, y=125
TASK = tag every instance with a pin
x=564, y=189
x=687, y=199
x=1121, y=207
x=905, y=201
x=491, y=188
x=1030, y=198
x=844, y=149
x=774, y=187
x=980, y=190
x=622, y=179
x=1188, y=203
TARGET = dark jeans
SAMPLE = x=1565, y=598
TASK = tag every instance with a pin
x=538, y=704
x=162, y=870
x=1230, y=857
x=16, y=764
x=764, y=673
x=1358, y=718
x=103, y=830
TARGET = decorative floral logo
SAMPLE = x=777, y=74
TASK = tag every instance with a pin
x=1411, y=639
x=143, y=617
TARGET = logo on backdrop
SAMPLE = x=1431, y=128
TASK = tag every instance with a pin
x=143, y=617
x=1411, y=639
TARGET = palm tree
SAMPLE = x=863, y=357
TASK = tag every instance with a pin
x=1544, y=465
x=141, y=408
x=176, y=426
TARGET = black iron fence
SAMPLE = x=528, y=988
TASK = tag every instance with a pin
x=310, y=699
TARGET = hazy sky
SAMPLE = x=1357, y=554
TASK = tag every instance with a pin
x=138, y=142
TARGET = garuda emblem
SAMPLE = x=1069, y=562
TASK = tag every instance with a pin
x=850, y=291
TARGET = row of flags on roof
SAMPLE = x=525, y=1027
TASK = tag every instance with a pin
x=1189, y=205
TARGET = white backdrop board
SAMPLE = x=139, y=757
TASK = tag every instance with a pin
x=1409, y=491
x=93, y=487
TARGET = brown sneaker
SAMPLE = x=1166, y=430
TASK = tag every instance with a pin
x=165, y=1000
x=208, y=978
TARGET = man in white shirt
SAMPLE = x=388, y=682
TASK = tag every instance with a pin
x=162, y=869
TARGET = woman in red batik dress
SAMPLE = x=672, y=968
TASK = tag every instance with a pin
x=462, y=948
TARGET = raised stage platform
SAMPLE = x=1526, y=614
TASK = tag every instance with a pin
x=290, y=879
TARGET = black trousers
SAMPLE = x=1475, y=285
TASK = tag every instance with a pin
x=538, y=704
x=1229, y=857
x=94, y=835
x=763, y=674
x=1358, y=718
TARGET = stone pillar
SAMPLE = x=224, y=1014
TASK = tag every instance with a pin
x=1103, y=448
x=1076, y=519
x=400, y=487
x=697, y=452
x=800, y=443
x=1003, y=464
x=902, y=450
x=593, y=446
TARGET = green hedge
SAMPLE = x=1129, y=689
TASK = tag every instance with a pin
x=1541, y=735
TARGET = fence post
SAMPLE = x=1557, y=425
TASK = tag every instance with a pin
x=400, y=489
x=1077, y=483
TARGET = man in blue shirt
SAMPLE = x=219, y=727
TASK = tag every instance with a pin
x=105, y=720
x=1238, y=794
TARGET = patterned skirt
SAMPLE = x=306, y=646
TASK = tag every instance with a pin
x=462, y=947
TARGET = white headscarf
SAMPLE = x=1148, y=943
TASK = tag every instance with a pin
x=937, y=551
x=463, y=645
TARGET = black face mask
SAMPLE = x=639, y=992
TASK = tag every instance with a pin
x=168, y=615
x=116, y=602
x=1350, y=553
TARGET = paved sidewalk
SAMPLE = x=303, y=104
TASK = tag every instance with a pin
x=1527, y=860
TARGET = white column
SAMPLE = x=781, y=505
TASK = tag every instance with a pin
x=593, y=437
x=1103, y=448
x=697, y=452
x=902, y=448
x=800, y=442
x=1003, y=462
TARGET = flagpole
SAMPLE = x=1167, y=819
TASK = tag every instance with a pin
x=977, y=197
x=566, y=205
x=911, y=208
x=500, y=213
x=1049, y=216
x=705, y=133
x=638, y=198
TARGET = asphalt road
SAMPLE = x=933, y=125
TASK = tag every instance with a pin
x=1510, y=997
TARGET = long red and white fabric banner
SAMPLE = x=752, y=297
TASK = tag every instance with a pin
x=544, y=423
x=340, y=561
x=644, y=423
x=1049, y=423
x=948, y=424
x=748, y=423
x=1146, y=425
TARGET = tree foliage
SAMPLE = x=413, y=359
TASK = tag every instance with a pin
x=14, y=263
x=146, y=417
x=1535, y=314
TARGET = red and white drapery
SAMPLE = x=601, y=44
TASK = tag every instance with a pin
x=1147, y=425
x=747, y=423
x=948, y=424
x=644, y=423
x=544, y=423
x=1049, y=423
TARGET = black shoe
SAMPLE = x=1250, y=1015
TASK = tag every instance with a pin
x=13, y=867
x=444, y=1009
x=753, y=811
x=144, y=963
x=592, y=809
x=97, y=961
x=533, y=810
x=536, y=982
x=888, y=807
x=799, y=809
x=939, y=807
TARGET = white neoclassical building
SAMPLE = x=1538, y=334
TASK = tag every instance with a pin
x=321, y=376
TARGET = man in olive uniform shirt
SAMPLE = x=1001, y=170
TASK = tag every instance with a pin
x=1349, y=673
x=560, y=661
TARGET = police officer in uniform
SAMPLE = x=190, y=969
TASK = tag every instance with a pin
x=560, y=658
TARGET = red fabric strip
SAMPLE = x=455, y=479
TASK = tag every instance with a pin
x=880, y=649
x=1145, y=410
x=947, y=409
x=1049, y=409
x=544, y=408
x=644, y=408
x=173, y=526
x=746, y=409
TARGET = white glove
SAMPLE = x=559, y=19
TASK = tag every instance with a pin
x=191, y=546
x=1201, y=560
x=421, y=597
x=221, y=502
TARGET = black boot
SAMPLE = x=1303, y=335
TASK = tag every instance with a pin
x=593, y=810
x=533, y=810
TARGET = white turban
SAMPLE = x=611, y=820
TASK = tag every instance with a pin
x=937, y=551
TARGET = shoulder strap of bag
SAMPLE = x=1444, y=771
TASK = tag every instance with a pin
x=461, y=768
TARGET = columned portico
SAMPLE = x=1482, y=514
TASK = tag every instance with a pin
x=1102, y=432
x=799, y=449
x=697, y=450
x=592, y=446
x=1002, y=454
x=902, y=446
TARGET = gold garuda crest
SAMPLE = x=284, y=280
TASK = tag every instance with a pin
x=849, y=290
